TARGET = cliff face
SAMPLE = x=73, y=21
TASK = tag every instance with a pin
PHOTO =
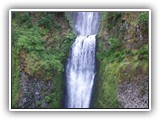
x=40, y=47
x=122, y=55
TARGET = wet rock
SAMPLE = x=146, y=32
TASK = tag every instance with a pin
x=33, y=91
x=133, y=94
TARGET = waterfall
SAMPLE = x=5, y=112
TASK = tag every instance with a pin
x=80, y=70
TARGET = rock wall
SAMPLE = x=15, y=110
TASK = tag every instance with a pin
x=122, y=55
x=33, y=92
x=40, y=48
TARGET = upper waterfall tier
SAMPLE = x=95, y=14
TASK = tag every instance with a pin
x=86, y=23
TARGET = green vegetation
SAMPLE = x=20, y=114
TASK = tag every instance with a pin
x=15, y=78
x=40, y=42
x=38, y=104
x=143, y=17
x=47, y=99
x=116, y=61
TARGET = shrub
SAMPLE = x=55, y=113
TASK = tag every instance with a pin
x=143, y=17
x=47, y=99
x=38, y=104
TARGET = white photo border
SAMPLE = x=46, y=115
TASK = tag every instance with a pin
x=81, y=109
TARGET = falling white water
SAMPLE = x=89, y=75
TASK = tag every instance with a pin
x=80, y=71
